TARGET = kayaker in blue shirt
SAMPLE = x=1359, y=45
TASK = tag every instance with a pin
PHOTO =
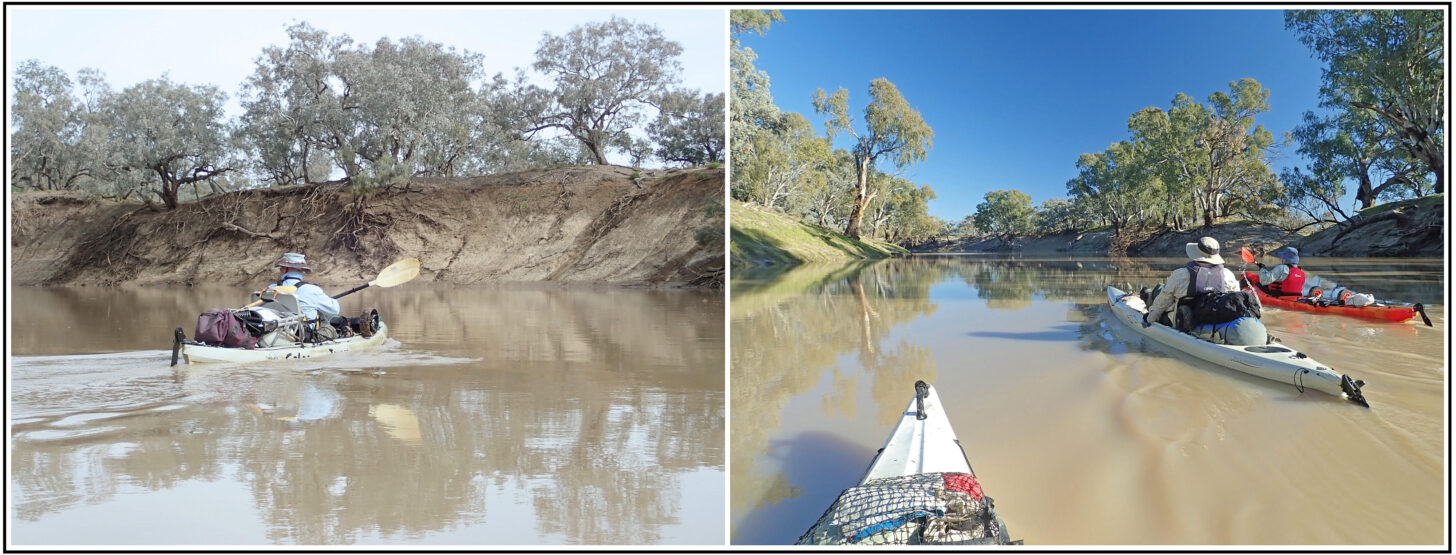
x=312, y=300
x=1285, y=279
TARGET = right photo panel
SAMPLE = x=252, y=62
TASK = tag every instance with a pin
x=1084, y=277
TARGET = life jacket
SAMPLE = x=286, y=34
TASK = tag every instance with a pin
x=299, y=283
x=1203, y=279
x=1292, y=285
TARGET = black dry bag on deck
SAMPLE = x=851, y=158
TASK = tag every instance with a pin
x=219, y=327
x=1218, y=308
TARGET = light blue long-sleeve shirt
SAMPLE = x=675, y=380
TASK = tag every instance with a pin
x=1271, y=275
x=311, y=298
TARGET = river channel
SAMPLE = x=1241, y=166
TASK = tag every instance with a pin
x=1083, y=433
x=510, y=415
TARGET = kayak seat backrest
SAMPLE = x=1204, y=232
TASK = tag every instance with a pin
x=285, y=303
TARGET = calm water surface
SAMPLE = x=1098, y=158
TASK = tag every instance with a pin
x=506, y=415
x=1081, y=432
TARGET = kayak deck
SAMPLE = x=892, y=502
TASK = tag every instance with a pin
x=922, y=442
x=193, y=352
x=1272, y=361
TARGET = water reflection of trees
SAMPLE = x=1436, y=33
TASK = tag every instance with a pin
x=788, y=331
x=1012, y=283
x=592, y=423
x=787, y=334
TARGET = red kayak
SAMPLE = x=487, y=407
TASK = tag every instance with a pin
x=1384, y=313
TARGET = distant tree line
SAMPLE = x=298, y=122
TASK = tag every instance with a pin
x=324, y=108
x=780, y=161
x=1381, y=133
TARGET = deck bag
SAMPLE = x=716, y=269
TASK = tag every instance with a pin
x=923, y=509
x=1241, y=331
x=219, y=327
x=1218, y=308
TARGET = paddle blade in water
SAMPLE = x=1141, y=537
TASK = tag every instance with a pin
x=397, y=273
x=1246, y=255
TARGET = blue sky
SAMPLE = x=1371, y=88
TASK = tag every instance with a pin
x=1015, y=96
x=217, y=44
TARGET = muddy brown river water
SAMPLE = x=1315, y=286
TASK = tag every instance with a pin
x=492, y=416
x=1083, y=433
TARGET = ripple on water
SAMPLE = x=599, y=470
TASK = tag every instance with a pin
x=81, y=419
x=62, y=435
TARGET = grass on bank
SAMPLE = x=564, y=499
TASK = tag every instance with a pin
x=1430, y=200
x=761, y=237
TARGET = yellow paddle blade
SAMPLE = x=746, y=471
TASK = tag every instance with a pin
x=397, y=273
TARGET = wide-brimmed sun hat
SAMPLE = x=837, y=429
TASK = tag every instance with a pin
x=293, y=260
x=1205, y=250
x=1288, y=254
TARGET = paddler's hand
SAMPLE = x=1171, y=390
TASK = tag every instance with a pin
x=1260, y=265
x=1146, y=324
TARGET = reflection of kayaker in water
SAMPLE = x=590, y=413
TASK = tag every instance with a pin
x=1204, y=298
x=314, y=404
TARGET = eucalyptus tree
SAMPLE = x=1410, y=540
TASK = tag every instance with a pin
x=778, y=161
x=1058, y=215
x=967, y=226
x=751, y=108
x=1316, y=193
x=1390, y=63
x=825, y=196
x=48, y=125
x=1004, y=214
x=1216, y=152
x=1116, y=183
x=902, y=213
x=689, y=127
x=604, y=76
x=892, y=129
x=161, y=136
x=1358, y=145
x=378, y=113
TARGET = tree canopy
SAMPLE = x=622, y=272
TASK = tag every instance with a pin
x=892, y=128
x=605, y=74
x=1390, y=63
x=324, y=108
x=779, y=161
x=1004, y=214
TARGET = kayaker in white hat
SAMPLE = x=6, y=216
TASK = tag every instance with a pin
x=312, y=300
x=1204, y=274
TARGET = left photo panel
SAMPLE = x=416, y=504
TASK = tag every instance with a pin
x=365, y=276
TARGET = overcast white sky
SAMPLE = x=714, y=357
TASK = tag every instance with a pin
x=217, y=45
